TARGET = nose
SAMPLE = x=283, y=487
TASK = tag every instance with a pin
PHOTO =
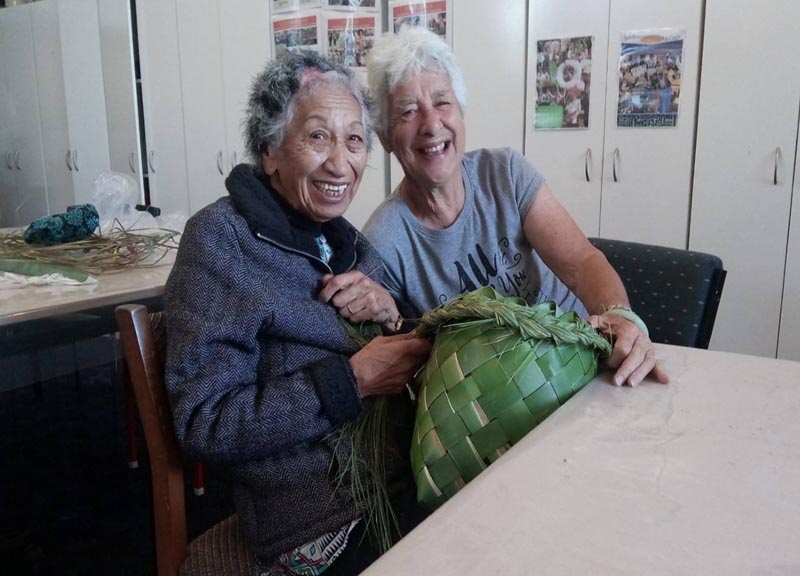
x=336, y=162
x=430, y=122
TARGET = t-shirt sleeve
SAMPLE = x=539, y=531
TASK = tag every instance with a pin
x=525, y=179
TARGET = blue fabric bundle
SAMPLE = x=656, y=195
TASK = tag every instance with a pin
x=77, y=223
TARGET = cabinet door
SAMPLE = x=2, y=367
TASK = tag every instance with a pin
x=8, y=181
x=25, y=126
x=120, y=88
x=571, y=159
x=203, y=103
x=738, y=211
x=649, y=200
x=83, y=88
x=789, y=336
x=162, y=106
x=244, y=31
x=52, y=105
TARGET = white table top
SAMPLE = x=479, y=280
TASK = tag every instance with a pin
x=39, y=302
x=701, y=476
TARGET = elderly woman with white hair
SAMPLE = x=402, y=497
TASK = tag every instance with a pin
x=261, y=371
x=460, y=220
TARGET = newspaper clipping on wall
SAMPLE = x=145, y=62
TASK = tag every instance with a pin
x=293, y=5
x=350, y=37
x=429, y=13
x=296, y=31
x=650, y=66
x=563, y=80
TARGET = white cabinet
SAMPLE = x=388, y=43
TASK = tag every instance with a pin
x=789, y=335
x=618, y=182
x=23, y=193
x=119, y=83
x=203, y=53
x=79, y=29
x=162, y=105
x=745, y=162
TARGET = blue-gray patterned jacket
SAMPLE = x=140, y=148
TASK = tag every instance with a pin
x=257, y=368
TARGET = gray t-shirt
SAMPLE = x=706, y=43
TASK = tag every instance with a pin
x=485, y=246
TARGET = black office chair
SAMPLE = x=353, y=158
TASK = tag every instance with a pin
x=676, y=292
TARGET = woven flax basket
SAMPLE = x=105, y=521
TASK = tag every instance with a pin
x=498, y=368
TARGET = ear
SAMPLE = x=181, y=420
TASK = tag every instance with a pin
x=268, y=162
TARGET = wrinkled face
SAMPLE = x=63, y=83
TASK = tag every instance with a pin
x=426, y=129
x=319, y=165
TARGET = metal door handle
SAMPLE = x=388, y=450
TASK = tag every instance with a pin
x=16, y=160
x=777, y=161
x=219, y=162
x=68, y=161
x=75, y=160
x=151, y=162
x=614, y=164
x=130, y=162
x=8, y=160
x=586, y=164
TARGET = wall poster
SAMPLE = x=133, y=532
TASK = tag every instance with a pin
x=563, y=79
x=429, y=13
x=650, y=78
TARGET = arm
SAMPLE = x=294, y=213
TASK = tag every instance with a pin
x=223, y=409
x=552, y=232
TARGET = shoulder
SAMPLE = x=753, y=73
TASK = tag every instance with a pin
x=381, y=226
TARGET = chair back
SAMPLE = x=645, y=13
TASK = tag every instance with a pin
x=676, y=292
x=142, y=336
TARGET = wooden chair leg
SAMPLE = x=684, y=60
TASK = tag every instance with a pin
x=199, y=479
x=130, y=417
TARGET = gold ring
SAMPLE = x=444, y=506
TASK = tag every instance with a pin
x=349, y=309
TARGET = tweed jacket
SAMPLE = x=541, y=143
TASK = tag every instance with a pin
x=257, y=368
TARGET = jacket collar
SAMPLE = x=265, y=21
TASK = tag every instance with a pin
x=257, y=203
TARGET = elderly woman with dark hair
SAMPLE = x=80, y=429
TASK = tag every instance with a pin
x=261, y=372
x=460, y=220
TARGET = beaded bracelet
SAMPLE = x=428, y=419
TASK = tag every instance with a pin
x=628, y=314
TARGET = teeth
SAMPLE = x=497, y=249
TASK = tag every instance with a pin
x=434, y=149
x=334, y=190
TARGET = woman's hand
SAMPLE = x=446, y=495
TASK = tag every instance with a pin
x=387, y=363
x=359, y=298
x=634, y=355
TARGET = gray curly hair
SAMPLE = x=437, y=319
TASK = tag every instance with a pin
x=395, y=57
x=274, y=91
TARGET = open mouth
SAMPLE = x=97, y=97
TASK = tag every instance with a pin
x=332, y=191
x=436, y=149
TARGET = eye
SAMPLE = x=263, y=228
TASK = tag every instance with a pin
x=443, y=104
x=318, y=135
x=409, y=113
x=356, y=138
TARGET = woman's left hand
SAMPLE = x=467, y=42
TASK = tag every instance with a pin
x=634, y=355
x=359, y=298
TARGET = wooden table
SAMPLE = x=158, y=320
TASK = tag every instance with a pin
x=701, y=476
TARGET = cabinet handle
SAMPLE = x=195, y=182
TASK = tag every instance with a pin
x=586, y=164
x=614, y=164
x=16, y=160
x=219, y=162
x=151, y=162
x=8, y=160
x=777, y=161
x=130, y=162
x=68, y=161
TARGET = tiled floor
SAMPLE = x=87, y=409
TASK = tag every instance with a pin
x=68, y=502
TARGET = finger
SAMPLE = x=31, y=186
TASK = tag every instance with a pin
x=660, y=374
x=331, y=285
x=631, y=361
x=642, y=370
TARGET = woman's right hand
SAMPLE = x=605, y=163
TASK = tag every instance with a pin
x=387, y=363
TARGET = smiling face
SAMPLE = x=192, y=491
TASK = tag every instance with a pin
x=426, y=130
x=319, y=165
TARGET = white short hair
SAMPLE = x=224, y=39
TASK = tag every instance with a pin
x=395, y=57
